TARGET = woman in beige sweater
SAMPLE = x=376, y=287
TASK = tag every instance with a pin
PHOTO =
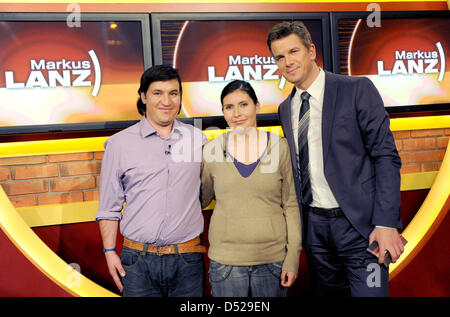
x=255, y=230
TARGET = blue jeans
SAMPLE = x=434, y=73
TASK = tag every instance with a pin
x=168, y=275
x=241, y=281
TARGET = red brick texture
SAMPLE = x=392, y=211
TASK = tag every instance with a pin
x=51, y=179
x=65, y=178
x=421, y=150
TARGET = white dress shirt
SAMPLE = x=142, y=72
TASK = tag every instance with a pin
x=321, y=192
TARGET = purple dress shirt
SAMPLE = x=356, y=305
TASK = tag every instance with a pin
x=158, y=180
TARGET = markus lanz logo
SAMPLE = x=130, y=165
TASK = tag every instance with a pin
x=416, y=62
x=253, y=68
x=65, y=73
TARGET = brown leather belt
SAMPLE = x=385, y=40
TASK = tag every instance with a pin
x=190, y=246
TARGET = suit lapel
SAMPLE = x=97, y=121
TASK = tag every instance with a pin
x=286, y=123
x=287, y=114
x=328, y=110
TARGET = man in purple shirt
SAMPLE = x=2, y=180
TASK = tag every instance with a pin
x=153, y=167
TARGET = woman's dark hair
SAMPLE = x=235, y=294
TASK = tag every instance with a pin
x=238, y=85
x=156, y=73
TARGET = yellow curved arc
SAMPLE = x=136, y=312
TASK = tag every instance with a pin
x=427, y=218
x=47, y=147
x=42, y=256
x=420, y=123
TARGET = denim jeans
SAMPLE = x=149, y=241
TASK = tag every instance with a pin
x=167, y=275
x=241, y=281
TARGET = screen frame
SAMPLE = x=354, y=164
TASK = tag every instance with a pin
x=397, y=110
x=270, y=119
x=143, y=18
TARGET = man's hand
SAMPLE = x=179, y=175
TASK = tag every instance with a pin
x=288, y=278
x=388, y=240
x=114, y=266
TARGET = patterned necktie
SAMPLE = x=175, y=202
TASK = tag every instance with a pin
x=303, y=153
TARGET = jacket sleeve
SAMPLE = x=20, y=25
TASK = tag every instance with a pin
x=379, y=142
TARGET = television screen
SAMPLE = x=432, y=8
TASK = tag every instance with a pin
x=405, y=56
x=211, y=50
x=54, y=76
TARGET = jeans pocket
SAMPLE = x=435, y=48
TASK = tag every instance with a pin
x=218, y=272
x=192, y=258
x=129, y=258
x=275, y=268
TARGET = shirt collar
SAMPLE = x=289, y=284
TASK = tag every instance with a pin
x=317, y=87
x=147, y=129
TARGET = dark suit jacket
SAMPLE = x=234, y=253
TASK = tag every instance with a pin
x=361, y=162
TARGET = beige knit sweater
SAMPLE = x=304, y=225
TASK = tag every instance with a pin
x=256, y=220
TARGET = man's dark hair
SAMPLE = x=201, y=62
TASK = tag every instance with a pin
x=156, y=73
x=283, y=29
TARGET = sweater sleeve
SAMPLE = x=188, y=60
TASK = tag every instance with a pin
x=290, y=209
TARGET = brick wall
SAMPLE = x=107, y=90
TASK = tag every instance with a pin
x=51, y=179
x=421, y=150
x=64, y=178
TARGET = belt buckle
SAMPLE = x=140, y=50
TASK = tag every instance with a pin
x=158, y=250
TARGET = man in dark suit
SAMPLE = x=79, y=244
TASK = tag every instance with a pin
x=346, y=169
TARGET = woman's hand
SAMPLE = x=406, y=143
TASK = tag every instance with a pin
x=288, y=278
